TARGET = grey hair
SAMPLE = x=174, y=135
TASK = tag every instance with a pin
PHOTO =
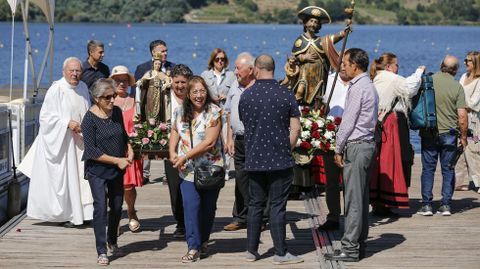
x=71, y=59
x=101, y=85
x=93, y=44
x=247, y=58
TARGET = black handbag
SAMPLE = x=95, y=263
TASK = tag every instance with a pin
x=207, y=177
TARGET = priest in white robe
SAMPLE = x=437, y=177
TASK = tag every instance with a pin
x=58, y=191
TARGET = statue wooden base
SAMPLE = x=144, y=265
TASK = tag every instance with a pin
x=151, y=154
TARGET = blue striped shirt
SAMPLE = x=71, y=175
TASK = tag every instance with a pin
x=360, y=114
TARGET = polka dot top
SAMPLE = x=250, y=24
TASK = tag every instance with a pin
x=265, y=110
x=103, y=136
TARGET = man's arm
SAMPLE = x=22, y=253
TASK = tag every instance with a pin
x=463, y=125
x=294, y=131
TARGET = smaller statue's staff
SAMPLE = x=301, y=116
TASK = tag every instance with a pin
x=349, y=12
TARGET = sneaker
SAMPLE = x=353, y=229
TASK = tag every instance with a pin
x=251, y=257
x=287, y=259
x=426, y=210
x=444, y=210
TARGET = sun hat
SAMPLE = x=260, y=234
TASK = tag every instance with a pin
x=123, y=70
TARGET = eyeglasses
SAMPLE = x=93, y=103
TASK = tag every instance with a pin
x=218, y=59
x=196, y=92
x=467, y=60
x=109, y=97
x=120, y=81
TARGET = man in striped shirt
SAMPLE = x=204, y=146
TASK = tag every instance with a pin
x=354, y=152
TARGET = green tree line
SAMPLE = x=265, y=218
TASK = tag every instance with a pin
x=158, y=11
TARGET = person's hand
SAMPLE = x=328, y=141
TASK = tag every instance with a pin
x=123, y=163
x=74, y=126
x=173, y=157
x=339, y=160
x=222, y=97
x=310, y=57
x=180, y=163
x=463, y=142
x=422, y=67
x=230, y=147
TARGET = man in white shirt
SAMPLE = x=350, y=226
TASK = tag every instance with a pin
x=332, y=171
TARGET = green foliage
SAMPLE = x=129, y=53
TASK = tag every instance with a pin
x=303, y=4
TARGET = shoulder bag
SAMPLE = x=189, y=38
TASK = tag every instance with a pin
x=207, y=177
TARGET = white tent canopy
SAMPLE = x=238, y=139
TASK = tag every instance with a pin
x=48, y=9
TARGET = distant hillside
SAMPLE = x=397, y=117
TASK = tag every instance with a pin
x=403, y=12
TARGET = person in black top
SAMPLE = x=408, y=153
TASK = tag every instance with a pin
x=107, y=154
x=93, y=68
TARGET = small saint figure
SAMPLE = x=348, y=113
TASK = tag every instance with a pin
x=155, y=92
x=315, y=55
x=291, y=72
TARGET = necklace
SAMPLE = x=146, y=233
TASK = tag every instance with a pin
x=105, y=114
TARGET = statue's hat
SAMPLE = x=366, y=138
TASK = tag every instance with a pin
x=314, y=12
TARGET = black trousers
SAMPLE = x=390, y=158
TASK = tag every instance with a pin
x=176, y=201
x=103, y=190
x=242, y=197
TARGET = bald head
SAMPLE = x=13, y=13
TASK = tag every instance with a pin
x=449, y=65
x=264, y=67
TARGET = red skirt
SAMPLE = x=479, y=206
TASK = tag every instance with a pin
x=387, y=184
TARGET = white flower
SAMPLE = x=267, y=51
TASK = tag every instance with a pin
x=299, y=141
x=328, y=134
x=330, y=118
x=305, y=134
x=320, y=123
x=308, y=123
x=316, y=144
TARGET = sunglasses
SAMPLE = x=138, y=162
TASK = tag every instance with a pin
x=467, y=60
x=218, y=59
x=109, y=97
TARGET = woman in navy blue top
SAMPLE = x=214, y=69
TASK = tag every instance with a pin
x=107, y=154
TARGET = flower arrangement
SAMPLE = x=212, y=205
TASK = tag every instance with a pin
x=150, y=135
x=318, y=134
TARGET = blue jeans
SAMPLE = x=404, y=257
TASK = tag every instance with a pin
x=199, y=211
x=445, y=145
x=276, y=186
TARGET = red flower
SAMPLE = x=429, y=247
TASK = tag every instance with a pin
x=316, y=134
x=305, y=145
x=331, y=127
x=305, y=110
x=314, y=126
x=327, y=146
x=338, y=120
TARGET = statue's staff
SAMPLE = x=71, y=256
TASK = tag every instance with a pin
x=349, y=11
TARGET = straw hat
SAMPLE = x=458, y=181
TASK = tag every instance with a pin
x=314, y=12
x=123, y=70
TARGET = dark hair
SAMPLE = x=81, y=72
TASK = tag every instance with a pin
x=380, y=63
x=213, y=55
x=93, y=44
x=265, y=62
x=359, y=57
x=181, y=70
x=155, y=43
x=187, y=103
x=304, y=21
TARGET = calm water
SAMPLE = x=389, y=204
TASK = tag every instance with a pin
x=192, y=43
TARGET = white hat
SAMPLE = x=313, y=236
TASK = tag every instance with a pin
x=121, y=70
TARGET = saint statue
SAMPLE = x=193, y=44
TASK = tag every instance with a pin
x=155, y=92
x=315, y=55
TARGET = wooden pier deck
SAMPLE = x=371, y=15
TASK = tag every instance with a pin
x=412, y=241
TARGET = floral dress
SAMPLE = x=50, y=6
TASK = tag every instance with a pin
x=199, y=126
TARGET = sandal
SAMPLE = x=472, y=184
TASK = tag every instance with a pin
x=192, y=255
x=133, y=225
x=103, y=260
x=462, y=188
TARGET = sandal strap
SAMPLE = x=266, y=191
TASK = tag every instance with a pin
x=103, y=259
x=191, y=256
